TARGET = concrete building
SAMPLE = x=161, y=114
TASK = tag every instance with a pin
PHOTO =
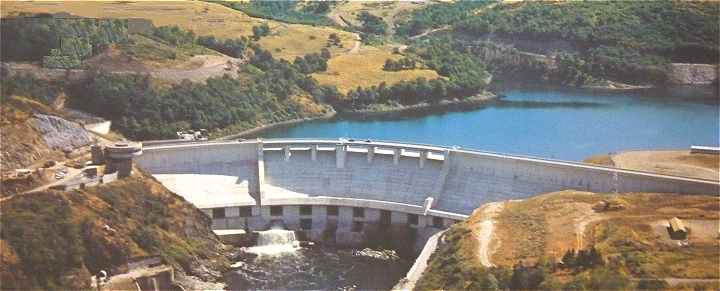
x=316, y=185
x=119, y=158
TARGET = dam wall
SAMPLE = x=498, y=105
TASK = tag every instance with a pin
x=478, y=178
x=250, y=184
x=213, y=175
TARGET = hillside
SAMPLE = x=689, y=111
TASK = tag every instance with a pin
x=56, y=240
x=525, y=243
x=584, y=43
x=24, y=143
x=284, y=40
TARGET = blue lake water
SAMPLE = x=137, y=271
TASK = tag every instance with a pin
x=550, y=123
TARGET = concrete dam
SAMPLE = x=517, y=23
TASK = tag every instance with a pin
x=313, y=184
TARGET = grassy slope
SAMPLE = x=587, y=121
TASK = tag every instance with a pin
x=285, y=41
x=389, y=11
x=50, y=235
x=543, y=228
x=546, y=226
x=22, y=143
x=201, y=17
x=365, y=69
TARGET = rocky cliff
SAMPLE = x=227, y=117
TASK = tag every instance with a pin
x=694, y=74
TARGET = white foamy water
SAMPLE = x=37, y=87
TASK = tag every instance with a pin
x=275, y=241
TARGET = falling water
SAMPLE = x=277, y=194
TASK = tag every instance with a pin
x=275, y=241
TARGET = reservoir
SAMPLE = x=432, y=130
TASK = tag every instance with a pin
x=550, y=123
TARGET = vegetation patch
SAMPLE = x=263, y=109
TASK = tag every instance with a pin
x=365, y=69
x=311, y=12
x=58, y=238
x=286, y=41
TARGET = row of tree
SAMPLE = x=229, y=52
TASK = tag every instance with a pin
x=232, y=47
x=313, y=62
x=399, y=65
x=310, y=12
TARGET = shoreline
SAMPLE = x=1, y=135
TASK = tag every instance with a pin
x=469, y=103
x=273, y=125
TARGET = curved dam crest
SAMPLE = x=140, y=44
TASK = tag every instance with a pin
x=383, y=175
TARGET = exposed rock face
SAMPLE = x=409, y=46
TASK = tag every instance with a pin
x=694, y=74
x=60, y=133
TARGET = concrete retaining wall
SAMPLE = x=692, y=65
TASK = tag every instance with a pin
x=99, y=127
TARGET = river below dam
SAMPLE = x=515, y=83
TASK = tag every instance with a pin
x=562, y=124
x=320, y=268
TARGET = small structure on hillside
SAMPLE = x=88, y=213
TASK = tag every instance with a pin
x=97, y=154
x=119, y=158
x=677, y=229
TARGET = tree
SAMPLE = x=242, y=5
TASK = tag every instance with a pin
x=334, y=40
x=490, y=283
x=605, y=278
x=652, y=284
x=372, y=24
x=325, y=53
x=568, y=259
x=260, y=31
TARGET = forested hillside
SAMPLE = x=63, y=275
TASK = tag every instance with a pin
x=59, y=41
x=625, y=41
x=137, y=108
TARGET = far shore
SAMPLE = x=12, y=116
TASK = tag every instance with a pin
x=269, y=126
x=469, y=103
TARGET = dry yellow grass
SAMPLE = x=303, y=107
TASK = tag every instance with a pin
x=288, y=41
x=345, y=70
x=201, y=17
x=364, y=69
x=390, y=11
x=549, y=224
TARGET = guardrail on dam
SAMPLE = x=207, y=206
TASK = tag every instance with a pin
x=434, y=185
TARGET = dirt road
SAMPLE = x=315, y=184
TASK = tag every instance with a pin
x=483, y=230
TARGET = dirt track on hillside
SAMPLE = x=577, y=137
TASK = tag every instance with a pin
x=483, y=230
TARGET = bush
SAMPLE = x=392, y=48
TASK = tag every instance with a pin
x=174, y=35
x=260, y=31
x=372, y=24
